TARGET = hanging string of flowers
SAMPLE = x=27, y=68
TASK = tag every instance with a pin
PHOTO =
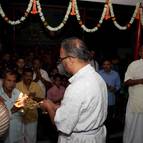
x=81, y=22
x=73, y=10
x=131, y=20
x=23, y=18
x=61, y=25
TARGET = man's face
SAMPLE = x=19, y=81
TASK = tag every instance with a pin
x=20, y=63
x=27, y=78
x=36, y=64
x=64, y=60
x=107, y=66
x=9, y=82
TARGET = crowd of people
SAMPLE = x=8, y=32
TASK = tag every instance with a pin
x=80, y=96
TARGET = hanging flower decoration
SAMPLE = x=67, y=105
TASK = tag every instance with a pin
x=16, y=22
x=61, y=25
x=131, y=20
x=81, y=23
x=73, y=10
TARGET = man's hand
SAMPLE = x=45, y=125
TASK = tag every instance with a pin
x=47, y=104
x=49, y=107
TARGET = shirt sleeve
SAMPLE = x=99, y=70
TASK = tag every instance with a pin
x=68, y=114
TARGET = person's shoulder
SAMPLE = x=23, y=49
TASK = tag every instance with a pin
x=18, y=83
x=33, y=83
x=114, y=72
x=52, y=88
x=101, y=71
x=133, y=63
x=43, y=71
x=1, y=90
x=16, y=91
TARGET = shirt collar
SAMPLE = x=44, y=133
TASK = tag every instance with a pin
x=80, y=72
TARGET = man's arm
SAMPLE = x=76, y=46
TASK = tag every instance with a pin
x=132, y=82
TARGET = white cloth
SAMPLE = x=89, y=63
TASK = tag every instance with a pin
x=15, y=134
x=44, y=75
x=135, y=71
x=83, y=109
x=133, y=132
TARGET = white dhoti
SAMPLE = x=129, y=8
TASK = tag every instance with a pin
x=133, y=132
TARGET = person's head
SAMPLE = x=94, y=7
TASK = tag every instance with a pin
x=27, y=76
x=141, y=52
x=20, y=62
x=6, y=57
x=74, y=54
x=107, y=65
x=57, y=79
x=9, y=81
x=36, y=64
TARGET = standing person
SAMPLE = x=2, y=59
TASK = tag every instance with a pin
x=56, y=92
x=41, y=76
x=133, y=131
x=30, y=117
x=10, y=94
x=113, y=82
x=20, y=63
x=81, y=115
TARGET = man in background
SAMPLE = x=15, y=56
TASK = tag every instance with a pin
x=133, y=131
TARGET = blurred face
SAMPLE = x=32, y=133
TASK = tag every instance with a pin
x=20, y=63
x=36, y=64
x=9, y=82
x=57, y=81
x=107, y=66
x=6, y=57
x=27, y=78
x=65, y=60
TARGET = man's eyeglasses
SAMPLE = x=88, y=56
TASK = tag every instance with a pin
x=61, y=59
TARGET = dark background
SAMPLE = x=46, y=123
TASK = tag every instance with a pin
x=107, y=41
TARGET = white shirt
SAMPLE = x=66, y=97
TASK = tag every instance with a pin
x=44, y=75
x=84, y=106
x=135, y=71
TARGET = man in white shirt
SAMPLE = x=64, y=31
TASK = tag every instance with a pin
x=81, y=115
x=133, y=131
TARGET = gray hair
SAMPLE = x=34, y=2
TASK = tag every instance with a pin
x=76, y=48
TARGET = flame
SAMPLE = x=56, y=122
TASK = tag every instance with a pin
x=20, y=102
